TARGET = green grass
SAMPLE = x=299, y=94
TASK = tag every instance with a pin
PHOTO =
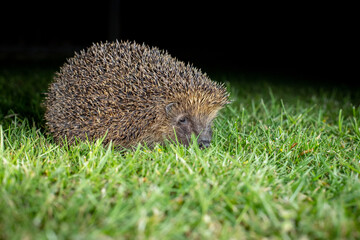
x=283, y=164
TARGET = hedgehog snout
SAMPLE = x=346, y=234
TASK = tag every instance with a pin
x=205, y=138
x=204, y=144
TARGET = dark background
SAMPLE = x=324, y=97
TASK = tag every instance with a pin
x=314, y=42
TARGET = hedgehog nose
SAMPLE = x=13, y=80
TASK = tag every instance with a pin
x=204, y=144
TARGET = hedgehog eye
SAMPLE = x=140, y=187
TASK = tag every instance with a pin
x=183, y=120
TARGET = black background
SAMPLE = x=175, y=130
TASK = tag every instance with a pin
x=317, y=42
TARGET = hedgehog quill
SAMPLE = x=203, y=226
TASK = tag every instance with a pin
x=131, y=93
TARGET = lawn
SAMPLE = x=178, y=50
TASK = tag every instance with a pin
x=283, y=164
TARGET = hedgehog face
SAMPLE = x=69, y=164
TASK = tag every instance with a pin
x=185, y=126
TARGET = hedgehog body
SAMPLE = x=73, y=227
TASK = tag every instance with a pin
x=131, y=93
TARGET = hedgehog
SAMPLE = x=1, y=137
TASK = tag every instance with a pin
x=129, y=93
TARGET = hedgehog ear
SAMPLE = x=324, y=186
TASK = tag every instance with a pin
x=168, y=108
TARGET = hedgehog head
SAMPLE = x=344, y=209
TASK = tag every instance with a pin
x=192, y=113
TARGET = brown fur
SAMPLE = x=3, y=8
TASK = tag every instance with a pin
x=133, y=93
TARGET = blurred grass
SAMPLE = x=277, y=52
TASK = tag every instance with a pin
x=283, y=164
x=22, y=91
